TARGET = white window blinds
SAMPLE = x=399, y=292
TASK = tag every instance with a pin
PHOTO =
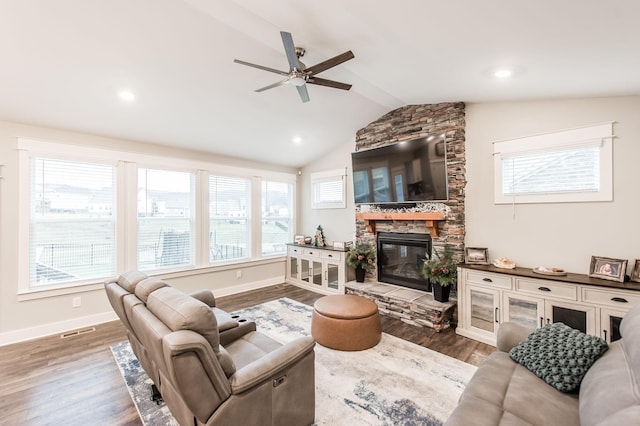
x=328, y=189
x=277, y=210
x=229, y=207
x=72, y=231
x=570, y=166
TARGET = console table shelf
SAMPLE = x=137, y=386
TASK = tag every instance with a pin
x=431, y=219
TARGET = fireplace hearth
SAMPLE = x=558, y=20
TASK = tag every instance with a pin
x=400, y=259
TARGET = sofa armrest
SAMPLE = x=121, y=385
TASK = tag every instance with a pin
x=205, y=296
x=233, y=334
x=265, y=367
x=510, y=334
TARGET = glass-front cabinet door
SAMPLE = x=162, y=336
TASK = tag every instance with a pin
x=316, y=268
x=523, y=310
x=332, y=275
x=610, y=324
x=483, y=310
x=305, y=270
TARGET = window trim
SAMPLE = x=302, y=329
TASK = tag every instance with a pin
x=601, y=134
x=329, y=176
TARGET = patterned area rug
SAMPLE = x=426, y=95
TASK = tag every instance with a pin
x=394, y=383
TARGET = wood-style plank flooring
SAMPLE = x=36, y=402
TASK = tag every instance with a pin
x=75, y=381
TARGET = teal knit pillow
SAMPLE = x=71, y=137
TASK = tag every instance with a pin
x=559, y=355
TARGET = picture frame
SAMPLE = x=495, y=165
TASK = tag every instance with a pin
x=635, y=272
x=608, y=268
x=476, y=255
x=298, y=239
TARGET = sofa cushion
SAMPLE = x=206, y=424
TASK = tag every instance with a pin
x=148, y=286
x=502, y=392
x=559, y=354
x=130, y=279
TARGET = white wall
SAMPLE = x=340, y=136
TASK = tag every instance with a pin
x=562, y=235
x=337, y=224
x=24, y=319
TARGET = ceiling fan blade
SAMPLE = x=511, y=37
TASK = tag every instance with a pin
x=329, y=83
x=290, y=50
x=304, y=94
x=260, y=67
x=330, y=63
x=271, y=86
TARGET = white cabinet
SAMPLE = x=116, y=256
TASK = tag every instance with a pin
x=317, y=269
x=487, y=299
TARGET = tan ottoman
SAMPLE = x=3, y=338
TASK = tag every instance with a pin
x=346, y=322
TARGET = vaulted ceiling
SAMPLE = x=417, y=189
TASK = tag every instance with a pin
x=63, y=63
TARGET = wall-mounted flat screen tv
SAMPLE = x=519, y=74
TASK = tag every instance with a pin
x=405, y=172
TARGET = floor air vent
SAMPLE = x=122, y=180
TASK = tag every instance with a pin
x=77, y=332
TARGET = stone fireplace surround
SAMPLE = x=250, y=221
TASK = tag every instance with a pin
x=405, y=123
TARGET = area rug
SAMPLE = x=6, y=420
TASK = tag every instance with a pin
x=394, y=383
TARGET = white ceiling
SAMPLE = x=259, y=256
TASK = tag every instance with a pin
x=63, y=62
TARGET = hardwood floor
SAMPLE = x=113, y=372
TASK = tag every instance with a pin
x=75, y=381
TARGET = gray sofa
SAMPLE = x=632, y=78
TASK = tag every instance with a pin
x=210, y=377
x=503, y=392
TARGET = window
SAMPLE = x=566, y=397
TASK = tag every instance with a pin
x=570, y=166
x=277, y=206
x=328, y=189
x=166, y=217
x=229, y=204
x=72, y=226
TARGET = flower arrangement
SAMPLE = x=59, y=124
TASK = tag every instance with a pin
x=361, y=255
x=442, y=268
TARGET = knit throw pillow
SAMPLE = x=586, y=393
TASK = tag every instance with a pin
x=559, y=355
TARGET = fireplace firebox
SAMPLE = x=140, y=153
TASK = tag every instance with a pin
x=400, y=259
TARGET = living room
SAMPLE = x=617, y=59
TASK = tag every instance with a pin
x=536, y=101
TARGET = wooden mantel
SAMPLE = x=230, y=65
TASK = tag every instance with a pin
x=430, y=218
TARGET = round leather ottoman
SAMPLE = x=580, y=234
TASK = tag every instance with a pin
x=346, y=322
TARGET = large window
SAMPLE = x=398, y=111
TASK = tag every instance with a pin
x=88, y=214
x=229, y=207
x=574, y=165
x=276, y=217
x=72, y=227
x=166, y=215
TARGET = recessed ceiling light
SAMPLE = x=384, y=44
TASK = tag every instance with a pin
x=127, y=96
x=297, y=139
x=503, y=73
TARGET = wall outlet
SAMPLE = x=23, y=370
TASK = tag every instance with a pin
x=238, y=274
x=76, y=302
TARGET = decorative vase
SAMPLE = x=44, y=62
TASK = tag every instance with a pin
x=360, y=274
x=441, y=294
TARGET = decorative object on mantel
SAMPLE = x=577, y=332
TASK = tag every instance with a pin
x=608, y=268
x=441, y=271
x=361, y=256
x=319, y=240
x=635, y=272
x=504, y=263
x=549, y=271
x=308, y=240
x=476, y=255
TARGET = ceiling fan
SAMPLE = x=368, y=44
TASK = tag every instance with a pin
x=299, y=75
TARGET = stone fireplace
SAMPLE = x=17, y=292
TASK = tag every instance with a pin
x=445, y=224
x=400, y=257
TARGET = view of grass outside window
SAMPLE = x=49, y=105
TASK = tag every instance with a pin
x=72, y=230
x=166, y=201
x=229, y=204
x=276, y=217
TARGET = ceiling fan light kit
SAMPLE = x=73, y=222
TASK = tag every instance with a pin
x=299, y=75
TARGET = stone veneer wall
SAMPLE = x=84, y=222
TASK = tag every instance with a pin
x=411, y=122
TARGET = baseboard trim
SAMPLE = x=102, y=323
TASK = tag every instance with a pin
x=24, y=334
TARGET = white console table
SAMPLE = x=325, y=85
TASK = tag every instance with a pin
x=323, y=270
x=488, y=296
